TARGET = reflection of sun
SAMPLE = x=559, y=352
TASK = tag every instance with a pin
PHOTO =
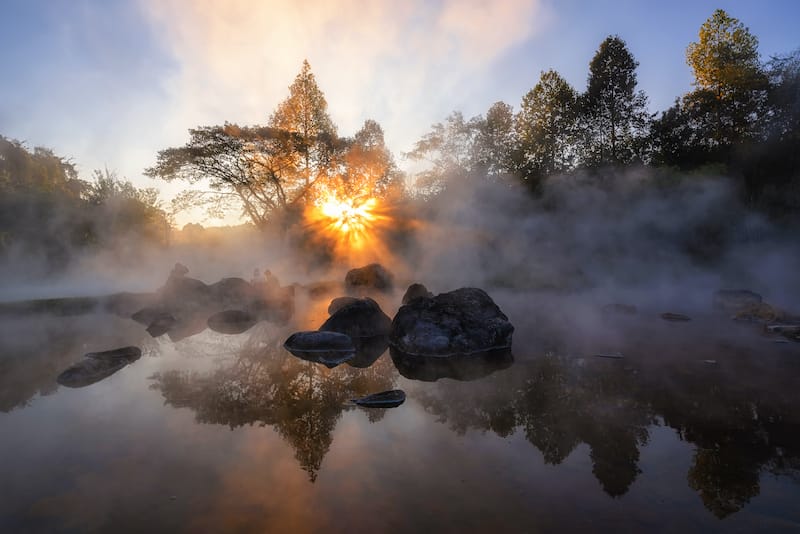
x=351, y=224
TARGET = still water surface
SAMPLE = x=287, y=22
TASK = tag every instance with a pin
x=215, y=432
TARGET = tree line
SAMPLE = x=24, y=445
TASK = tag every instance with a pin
x=742, y=120
x=47, y=212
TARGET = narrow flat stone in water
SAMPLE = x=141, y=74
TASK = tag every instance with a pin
x=384, y=399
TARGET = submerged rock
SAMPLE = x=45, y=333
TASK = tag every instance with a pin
x=384, y=399
x=733, y=300
x=372, y=276
x=789, y=331
x=675, y=317
x=360, y=318
x=463, y=321
x=461, y=367
x=327, y=348
x=416, y=291
x=95, y=366
x=231, y=322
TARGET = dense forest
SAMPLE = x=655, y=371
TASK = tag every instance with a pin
x=739, y=123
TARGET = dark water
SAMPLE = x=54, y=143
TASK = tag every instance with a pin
x=218, y=432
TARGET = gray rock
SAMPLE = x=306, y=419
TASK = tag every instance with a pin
x=464, y=321
x=384, y=399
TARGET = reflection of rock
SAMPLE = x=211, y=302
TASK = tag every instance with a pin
x=96, y=366
x=733, y=300
x=183, y=306
x=327, y=348
x=360, y=318
x=339, y=303
x=384, y=399
x=416, y=291
x=372, y=276
x=231, y=322
x=463, y=321
x=368, y=349
x=461, y=367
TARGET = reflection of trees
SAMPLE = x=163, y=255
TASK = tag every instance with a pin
x=266, y=385
x=739, y=429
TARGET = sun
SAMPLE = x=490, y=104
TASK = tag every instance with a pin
x=353, y=225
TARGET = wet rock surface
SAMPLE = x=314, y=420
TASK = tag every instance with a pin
x=384, y=399
x=370, y=277
x=464, y=321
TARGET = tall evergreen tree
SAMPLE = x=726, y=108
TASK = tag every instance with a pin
x=614, y=112
x=726, y=68
x=546, y=128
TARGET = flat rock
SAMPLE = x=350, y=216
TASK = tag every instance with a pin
x=463, y=321
x=95, y=366
x=384, y=399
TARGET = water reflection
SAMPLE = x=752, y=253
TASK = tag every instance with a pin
x=736, y=403
x=265, y=385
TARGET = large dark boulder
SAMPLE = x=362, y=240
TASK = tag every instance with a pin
x=461, y=322
x=370, y=277
x=360, y=318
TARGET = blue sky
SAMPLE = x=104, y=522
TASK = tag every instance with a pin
x=108, y=83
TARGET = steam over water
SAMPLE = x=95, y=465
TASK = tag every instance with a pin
x=608, y=418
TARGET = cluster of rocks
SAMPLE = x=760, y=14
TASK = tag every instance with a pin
x=748, y=306
x=460, y=334
x=185, y=306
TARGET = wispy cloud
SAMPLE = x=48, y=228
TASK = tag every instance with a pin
x=403, y=63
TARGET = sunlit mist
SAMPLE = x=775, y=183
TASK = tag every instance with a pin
x=352, y=225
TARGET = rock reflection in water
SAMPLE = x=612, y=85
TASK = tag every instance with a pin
x=265, y=385
x=464, y=367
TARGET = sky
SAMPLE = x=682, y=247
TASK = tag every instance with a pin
x=108, y=83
